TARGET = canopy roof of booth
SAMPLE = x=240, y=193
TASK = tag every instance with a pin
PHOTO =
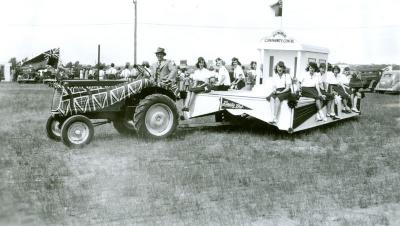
x=280, y=41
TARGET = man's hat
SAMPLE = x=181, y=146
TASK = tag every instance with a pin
x=161, y=50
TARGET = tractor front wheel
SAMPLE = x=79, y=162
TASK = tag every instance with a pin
x=77, y=131
x=156, y=117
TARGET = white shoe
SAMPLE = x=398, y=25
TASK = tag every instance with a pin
x=330, y=115
x=318, y=118
x=355, y=110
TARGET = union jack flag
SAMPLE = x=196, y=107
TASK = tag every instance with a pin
x=53, y=53
x=50, y=57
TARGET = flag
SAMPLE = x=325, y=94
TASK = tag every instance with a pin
x=49, y=57
x=277, y=7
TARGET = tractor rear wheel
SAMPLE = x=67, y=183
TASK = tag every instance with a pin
x=156, y=117
x=77, y=131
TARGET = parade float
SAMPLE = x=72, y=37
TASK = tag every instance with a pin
x=148, y=108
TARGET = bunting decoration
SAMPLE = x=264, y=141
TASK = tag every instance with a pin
x=78, y=100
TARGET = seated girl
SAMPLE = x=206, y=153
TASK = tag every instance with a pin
x=323, y=87
x=238, y=74
x=223, y=79
x=250, y=76
x=336, y=87
x=310, y=88
x=354, y=91
x=200, y=79
x=281, y=90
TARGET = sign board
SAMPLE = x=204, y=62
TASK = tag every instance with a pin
x=228, y=104
x=278, y=37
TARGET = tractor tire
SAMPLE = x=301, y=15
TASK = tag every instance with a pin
x=53, y=128
x=156, y=117
x=77, y=131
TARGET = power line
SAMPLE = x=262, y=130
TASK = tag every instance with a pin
x=205, y=26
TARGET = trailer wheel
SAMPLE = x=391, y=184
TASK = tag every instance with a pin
x=53, y=128
x=155, y=117
x=77, y=131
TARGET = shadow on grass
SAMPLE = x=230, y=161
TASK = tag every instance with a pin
x=258, y=127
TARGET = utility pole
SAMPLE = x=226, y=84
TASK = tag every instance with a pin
x=98, y=62
x=135, y=34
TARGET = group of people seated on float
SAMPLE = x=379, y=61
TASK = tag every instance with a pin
x=324, y=85
x=205, y=79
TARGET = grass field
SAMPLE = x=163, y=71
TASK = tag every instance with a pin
x=344, y=174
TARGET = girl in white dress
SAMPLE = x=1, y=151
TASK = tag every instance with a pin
x=310, y=88
x=281, y=90
x=200, y=79
x=336, y=87
x=238, y=74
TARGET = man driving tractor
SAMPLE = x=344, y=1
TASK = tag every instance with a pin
x=163, y=71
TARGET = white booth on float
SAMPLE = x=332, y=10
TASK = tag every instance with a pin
x=295, y=55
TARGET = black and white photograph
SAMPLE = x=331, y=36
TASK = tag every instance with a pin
x=200, y=112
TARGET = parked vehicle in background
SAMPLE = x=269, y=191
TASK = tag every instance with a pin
x=370, y=78
x=389, y=82
x=28, y=75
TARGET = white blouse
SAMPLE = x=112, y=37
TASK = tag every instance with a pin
x=332, y=79
x=279, y=82
x=344, y=79
x=201, y=75
x=223, y=76
x=310, y=80
x=238, y=72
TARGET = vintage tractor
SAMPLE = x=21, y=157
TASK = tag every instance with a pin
x=141, y=107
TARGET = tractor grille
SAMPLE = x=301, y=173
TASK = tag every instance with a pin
x=57, y=96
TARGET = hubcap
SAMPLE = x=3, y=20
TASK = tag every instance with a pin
x=55, y=128
x=159, y=119
x=78, y=132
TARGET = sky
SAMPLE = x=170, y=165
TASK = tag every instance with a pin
x=356, y=31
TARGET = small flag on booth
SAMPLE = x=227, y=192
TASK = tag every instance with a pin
x=277, y=7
